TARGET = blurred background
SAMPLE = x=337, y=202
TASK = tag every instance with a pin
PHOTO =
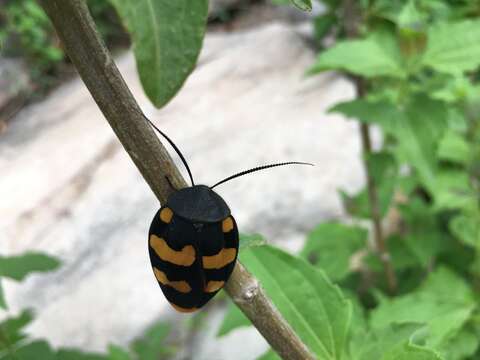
x=69, y=189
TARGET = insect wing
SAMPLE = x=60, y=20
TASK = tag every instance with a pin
x=219, y=257
x=191, y=262
x=175, y=260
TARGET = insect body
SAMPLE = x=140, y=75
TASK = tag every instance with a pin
x=193, y=245
x=193, y=242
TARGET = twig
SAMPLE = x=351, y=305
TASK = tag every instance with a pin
x=97, y=69
x=248, y=295
x=380, y=242
x=350, y=13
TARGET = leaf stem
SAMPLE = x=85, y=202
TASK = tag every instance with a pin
x=372, y=191
x=352, y=17
x=97, y=69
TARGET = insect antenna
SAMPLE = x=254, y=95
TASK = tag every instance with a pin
x=174, y=147
x=258, y=168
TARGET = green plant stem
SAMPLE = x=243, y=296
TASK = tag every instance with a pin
x=352, y=16
x=76, y=29
x=372, y=191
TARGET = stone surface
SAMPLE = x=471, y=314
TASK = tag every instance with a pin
x=216, y=6
x=14, y=85
x=250, y=14
x=67, y=187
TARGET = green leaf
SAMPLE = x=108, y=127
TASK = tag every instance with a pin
x=330, y=246
x=417, y=128
x=410, y=16
x=439, y=9
x=151, y=346
x=249, y=240
x=117, y=353
x=376, y=55
x=3, y=303
x=359, y=322
x=316, y=309
x=447, y=326
x=35, y=350
x=381, y=166
x=167, y=38
x=401, y=253
x=454, y=89
x=452, y=190
x=305, y=5
x=454, y=148
x=453, y=47
x=75, y=354
x=233, y=319
x=386, y=9
x=417, y=135
x=444, y=303
x=460, y=257
x=322, y=25
x=424, y=237
x=383, y=169
x=11, y=329
x=269, y=355
x=387, y=343
x=18, y=267
x=462, y=346
x=456, y=120
x=382, y=113
x=409, y=351
x=466, y=227
x=444, y=285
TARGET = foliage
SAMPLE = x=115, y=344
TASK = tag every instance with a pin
x=334, y=240
x=418, y=62
x=320, y=314
x=320, y=317
x=167, y=37
x=305, y=5
x=26, y=32
x=15, y=344
x=18, y=267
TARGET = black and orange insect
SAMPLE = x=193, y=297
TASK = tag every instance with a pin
x=193, y=241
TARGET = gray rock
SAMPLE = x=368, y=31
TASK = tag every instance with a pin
x=14, y=84
x=216, y=6
x=13, y=78
x=68, y=188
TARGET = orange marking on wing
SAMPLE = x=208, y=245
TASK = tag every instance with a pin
x=184, y=257
x=227, y=224
x=166, y=215
x=181, y=286
x=213, y=286
x=224, y=257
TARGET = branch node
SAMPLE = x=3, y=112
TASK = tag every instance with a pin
x=251, y=291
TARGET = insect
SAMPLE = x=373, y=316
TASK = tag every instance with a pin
x=193, y=241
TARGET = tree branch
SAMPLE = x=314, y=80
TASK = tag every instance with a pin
x=97, y=69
